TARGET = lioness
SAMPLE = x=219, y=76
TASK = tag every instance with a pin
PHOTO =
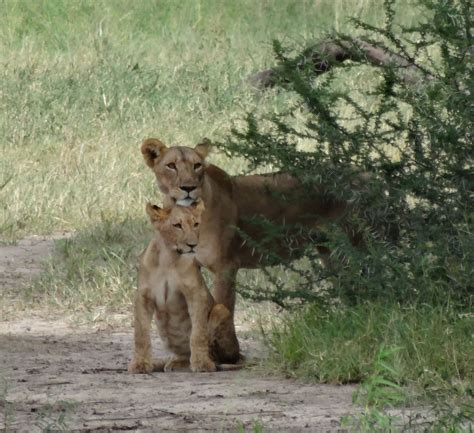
x=184, y=176
x=193, y=327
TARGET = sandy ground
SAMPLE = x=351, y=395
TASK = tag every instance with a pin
x=57, y=377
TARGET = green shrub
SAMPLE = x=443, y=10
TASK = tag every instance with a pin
x=409, y=126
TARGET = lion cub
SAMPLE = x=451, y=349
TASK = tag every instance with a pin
x=193, y=327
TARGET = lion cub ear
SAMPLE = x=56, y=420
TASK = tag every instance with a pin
x=203, y=148
x=152, y=148
x=156, y=213
x=198, y=207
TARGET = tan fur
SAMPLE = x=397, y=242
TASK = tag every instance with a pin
x=230, y=202
x=192, y=326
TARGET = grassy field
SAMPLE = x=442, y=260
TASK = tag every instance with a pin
x=84, y=82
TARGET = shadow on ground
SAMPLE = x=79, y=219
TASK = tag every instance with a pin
x=59, y=377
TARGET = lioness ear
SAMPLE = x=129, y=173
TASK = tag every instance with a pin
x=203, y=148
x=152, y=148
x=156, y=213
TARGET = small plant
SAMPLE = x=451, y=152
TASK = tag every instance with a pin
x=257, y=427
x=8, y=407
x=54, y=417
x=377, y=393
x=94, y=273
x=382, y=387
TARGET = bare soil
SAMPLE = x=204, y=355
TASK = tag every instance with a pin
x=60, y=377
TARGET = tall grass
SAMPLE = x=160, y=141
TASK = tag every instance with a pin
x=94, y=274
x=340, y=345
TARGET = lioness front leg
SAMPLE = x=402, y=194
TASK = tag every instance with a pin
x=224, y=287
x=224, y=342
x=143, y=313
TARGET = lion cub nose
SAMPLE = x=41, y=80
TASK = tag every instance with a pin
x=187, y=189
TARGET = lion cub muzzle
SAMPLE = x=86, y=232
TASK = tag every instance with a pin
x=191, y=251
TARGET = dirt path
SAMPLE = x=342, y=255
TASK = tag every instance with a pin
x=63, y=378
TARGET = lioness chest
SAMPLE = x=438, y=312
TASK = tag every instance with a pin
x=171, y=311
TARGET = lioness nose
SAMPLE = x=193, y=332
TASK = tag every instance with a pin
x=187, y=189
x=191, y=245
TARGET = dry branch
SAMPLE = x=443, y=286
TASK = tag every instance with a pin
x=327, y=54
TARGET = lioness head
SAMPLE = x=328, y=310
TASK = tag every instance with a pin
x=178, y=226
x=179, y=170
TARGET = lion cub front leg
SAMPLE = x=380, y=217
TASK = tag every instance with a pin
x=200, y=359
x=143, y=313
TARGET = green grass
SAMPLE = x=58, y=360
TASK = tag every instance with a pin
x=411, y=356
x=342, y=344
x=256, y=427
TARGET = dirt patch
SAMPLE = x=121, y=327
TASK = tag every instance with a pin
x=21, y=262
x=59, y=377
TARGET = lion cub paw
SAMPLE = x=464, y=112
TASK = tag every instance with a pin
x=140, y=365
x=202, y=364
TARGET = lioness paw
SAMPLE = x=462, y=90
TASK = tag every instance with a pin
x=140, y=366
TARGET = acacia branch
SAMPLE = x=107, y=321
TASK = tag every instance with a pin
x=330, y=53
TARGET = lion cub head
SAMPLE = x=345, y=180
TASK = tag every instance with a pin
x=179, y=170
x=178, y=226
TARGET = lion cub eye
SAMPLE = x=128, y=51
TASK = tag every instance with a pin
x=178, y=226
x=197, y=166
x=171, y=166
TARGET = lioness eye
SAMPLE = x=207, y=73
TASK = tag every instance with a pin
x=197, y=166
x=196, y=224
x=171, y=166
x=178, y=226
